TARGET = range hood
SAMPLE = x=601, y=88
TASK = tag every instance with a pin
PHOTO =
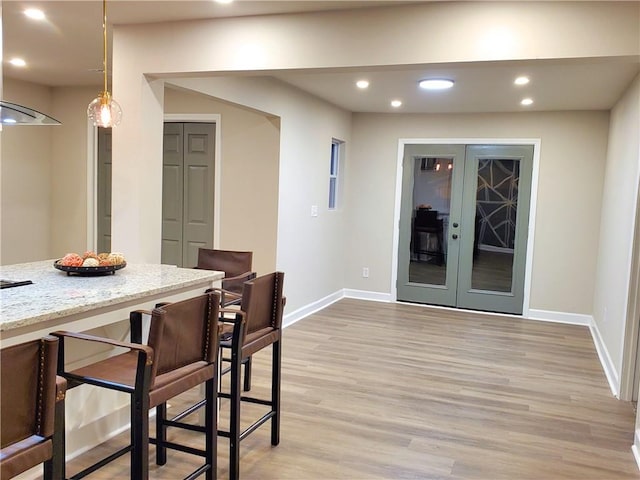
x=13, y=114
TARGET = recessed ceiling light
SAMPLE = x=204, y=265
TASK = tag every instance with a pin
x=526, y=101
x=34, y=13
x=396, y=103
x=17, y=62
x=223, y=1
x=521, y=80
x=435, y=83
x=362, y=83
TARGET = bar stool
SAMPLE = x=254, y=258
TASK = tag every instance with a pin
x=181, y=353
x=31, y=407
x=257, y=325
x=236, y=266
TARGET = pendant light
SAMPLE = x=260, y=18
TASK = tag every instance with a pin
x=104, y=111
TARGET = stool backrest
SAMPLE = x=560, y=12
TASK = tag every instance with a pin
x=27, y=390
x=184, y=332
x=262, y=302
x=232, y=263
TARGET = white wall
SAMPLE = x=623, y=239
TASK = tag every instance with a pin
x=573, y=148
x=25, y=172
x=619, y=202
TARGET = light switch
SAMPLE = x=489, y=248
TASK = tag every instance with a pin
x=314, y=210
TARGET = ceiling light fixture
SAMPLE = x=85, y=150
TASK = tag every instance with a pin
x=104, y=111
x=526, y=101
x=18, y=62
x=396, y=103
x=362, y=84
x=435, y=83
x=34, y=14
x=223, y=1
x=521, y=80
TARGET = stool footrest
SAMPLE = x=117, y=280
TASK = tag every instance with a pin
x=101, y=463
x=180, y=448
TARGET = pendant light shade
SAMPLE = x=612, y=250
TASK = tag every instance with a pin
x=104, y=111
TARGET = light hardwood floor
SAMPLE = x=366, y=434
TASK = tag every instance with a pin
x=392, y=391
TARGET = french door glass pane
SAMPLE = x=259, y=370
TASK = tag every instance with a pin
x=430, y=220
x=495, y=224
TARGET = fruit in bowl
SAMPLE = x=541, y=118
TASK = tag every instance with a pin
x=116, y=258
x=71, y=260
x=92, y=259
x=90, y=262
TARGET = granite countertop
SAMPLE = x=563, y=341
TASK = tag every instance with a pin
x=55, y=294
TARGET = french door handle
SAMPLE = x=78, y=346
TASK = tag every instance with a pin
x=454, y=236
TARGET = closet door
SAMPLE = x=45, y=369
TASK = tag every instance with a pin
x=198, y=183
x=172, y=193
x=103, y=214
x=187, y=191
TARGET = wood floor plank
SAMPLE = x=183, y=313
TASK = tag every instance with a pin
x=394, y=391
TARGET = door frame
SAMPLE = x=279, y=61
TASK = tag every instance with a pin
x=630, y=368
x=535, y=142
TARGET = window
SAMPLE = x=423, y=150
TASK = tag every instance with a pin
x=333, y=173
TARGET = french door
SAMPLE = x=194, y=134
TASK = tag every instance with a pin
x=463, y=225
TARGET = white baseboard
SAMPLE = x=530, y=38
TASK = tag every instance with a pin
x=605, y=360
x=587, y=320
x=492, y=248
x=635, y=446
x=299, y=314
x=366, y=295
x=560, y=317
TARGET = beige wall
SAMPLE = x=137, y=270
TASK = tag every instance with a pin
x=249, y=174
x=572, y=159
x=619, y=203
x=456, y=32
x=310, y=250
x=71, y=186
x=25, y=172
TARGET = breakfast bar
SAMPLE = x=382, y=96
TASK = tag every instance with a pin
x=56, y=300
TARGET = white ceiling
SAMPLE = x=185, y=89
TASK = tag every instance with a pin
x=66, y=50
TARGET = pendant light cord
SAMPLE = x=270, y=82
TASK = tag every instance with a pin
x=104, y=43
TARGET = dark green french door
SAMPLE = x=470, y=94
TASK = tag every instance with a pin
x=463, y=225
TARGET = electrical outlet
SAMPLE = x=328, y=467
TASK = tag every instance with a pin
x=365, y=272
